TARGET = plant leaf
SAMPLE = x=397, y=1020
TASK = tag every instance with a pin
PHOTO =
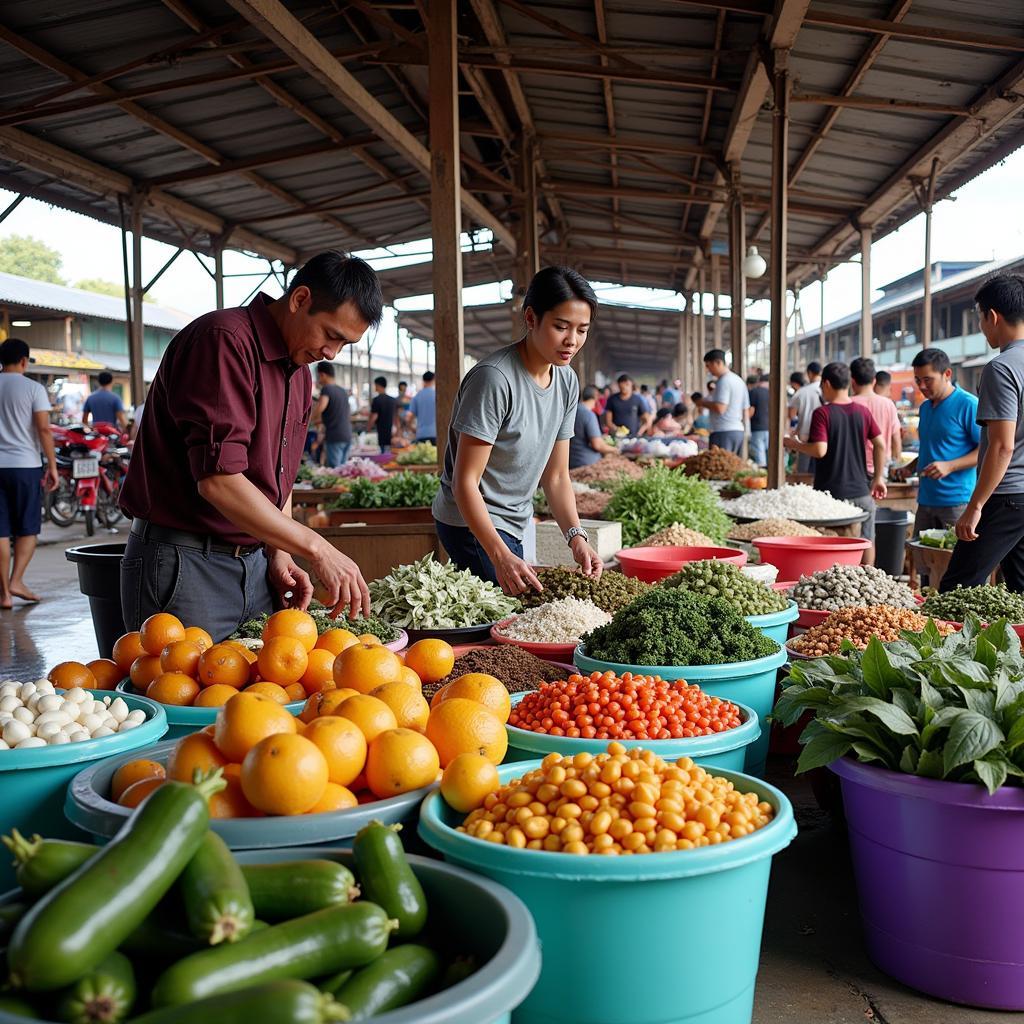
x=909, y=759
x=822, y=749
x=868, y=752
x=971, y=737
x=879, y=674
x=929, y=765
x=991, y=770
x=1015, y=737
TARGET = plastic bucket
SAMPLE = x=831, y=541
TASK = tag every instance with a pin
x=940, y=880
x=890, y=539
x=802, y=556
x=775, y=625
x=467, y=912
x=620, y=921
x=87, y=806
x=745, y=682
x=183, y=720
x=99, y=578
x=544, y=651
x=656, y=563
x=33, y=781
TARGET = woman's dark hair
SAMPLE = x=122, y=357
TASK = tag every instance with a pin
x=552, y=286
x=664, y=412
x=1005, y=294
x=334, y=277
x=933, y=357
x=837, y=375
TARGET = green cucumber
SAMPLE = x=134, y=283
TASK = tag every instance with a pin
x=215, y=894
x=10, y=915
x=334, y=982
x=75, y=926
x=283, y=891
x=104, y=996
x=18, y=1008
x=387, y=879
x=277, y=1002
x=160, y=939
x=43, y=863
x=396, y=978
x=307, y=947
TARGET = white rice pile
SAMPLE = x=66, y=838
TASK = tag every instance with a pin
x=793, y=501
x=558, y=622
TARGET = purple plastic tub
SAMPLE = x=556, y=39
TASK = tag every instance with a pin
x=940, y=880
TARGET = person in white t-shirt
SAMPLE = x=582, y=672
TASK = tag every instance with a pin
x=24, y=430
x=729, y=408
x=801, y=407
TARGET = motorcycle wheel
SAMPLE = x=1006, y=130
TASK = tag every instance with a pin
x=62, y=504
x=90, y=521
x=108, y=512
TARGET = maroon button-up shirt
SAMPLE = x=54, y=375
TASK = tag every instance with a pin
x=226, y=399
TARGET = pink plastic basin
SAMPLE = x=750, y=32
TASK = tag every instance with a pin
x=801, y=556
x=653, y=564
x=560, y=653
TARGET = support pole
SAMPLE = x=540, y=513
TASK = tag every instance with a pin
x=218, y=273
x=716, y=311
x=821, y=327
x=865, y=292
x=527, y=261
x=926, y=318
x=702, y=327
x=777, y=267
x=135, y=347
x=737, y=248
x=681, y=369
x=446, y=213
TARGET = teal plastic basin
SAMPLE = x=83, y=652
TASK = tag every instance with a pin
x=181, y=721
x=468, y=913
x=744, y=682
x=88, y=807
x=775, y=626
x=624, y=920
x=721, y=750
x=33, y=781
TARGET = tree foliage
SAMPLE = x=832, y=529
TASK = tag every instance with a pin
x=29, y=257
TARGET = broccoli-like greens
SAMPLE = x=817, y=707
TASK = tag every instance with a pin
x=712, y=578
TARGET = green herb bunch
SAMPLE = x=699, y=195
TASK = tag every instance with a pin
x=677, y=627
x=423, y=453
x=948, y=708
x=989, y=602
x=662, y=497
x=610, y=592
x=712, y=578
x=402, y=490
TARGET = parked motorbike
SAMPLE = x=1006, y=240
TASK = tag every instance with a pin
x=91, y=467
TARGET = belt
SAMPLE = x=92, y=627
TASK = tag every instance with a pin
x=200, y=542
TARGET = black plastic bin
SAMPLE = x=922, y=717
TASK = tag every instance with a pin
x=99, y=578
x=890, y=539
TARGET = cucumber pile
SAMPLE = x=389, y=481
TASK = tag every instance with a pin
x=163, y=926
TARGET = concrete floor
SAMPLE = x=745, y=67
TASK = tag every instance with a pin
x=814, y=969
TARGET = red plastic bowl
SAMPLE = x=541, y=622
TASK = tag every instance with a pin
x=801, y=556
x=653, y=564
x=558, y=653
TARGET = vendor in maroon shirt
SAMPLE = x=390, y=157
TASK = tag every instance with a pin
x=213, y=540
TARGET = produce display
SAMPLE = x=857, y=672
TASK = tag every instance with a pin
x=635, y=707
x=771, y=528
x=423, y=453
x=945, y=539
x=712, y=578
x=428, y=594
x=518, y=669
x=663, y=497
x=988, y=601
x=360, y=626
x=610, y=593
x=791, y=501
x=616, y=803
x=857, y=626
x=558, y=622
x=610, y=470
x=676, y=627
x=939, y=708
x=678, y=536
x=660, y=448
x=715, y=464
x=334, y=476
x=399, y=490
x=847, y=586
x=750, y=479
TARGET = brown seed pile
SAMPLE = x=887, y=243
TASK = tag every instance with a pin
x=519, y=670
x=859, y=625
x=679, y=536
x=591, y=504
x=772, y=528
x=609, y=469
x=714, y=464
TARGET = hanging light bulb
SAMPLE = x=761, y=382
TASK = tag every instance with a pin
x=754, y=264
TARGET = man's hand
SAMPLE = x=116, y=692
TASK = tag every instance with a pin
x=790, y=443
x=51, y=481
x=937, y=470
x=586, y=557
x=968, y=523
x=342, y=580
x=899, y=475
x=290, y=583
x=878, y=489
x=515, y=576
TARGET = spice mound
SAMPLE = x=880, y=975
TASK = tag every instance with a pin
x=849, y=586
x=517, y=669
x=712, y=578
x=678, y=536
x=610, y=593
x=610, y=469
x=714, y=464
x=859, y=625
x=558, y=622
x=772, y=528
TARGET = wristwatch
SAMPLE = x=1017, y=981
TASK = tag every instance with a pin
x=576, y=531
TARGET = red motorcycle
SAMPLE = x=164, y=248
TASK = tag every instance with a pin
x=90, y=471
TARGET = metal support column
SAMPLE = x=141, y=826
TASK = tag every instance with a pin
x=866, y=330
x=681, y=370
x=737, y=248
x=445, y=209
x=926, y=318
x=135, y=348
x=716, y=301
x=821, y=326
x=702, y=327
x=218, y=273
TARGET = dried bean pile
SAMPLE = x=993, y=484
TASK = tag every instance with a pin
x=859, y=625
x=610, y=593
x=772, y=528
x=847, y=586
x=517, y=669
x=714, y=464
x=679, y=536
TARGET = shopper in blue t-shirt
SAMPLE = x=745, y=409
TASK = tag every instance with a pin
x=949, y=435
x=104, y=406
x=587, y=444
x=423, y=409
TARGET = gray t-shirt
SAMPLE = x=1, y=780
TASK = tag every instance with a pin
x=805, y=401
x=20, y=397
x=731, y=390
x=1001, y=397
x=500, y=403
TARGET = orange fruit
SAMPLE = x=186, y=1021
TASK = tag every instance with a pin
x=343, y=745
x=181, y=656
x=336, y=640
x=284, y=774
x=325, y=702
x=467, y=781
x=430, y=659
x=359, y=784
x=138, y=791
x=272, y=690
x=126, y=649
x=409, y=678
x=230, y=802
x=160, y=630
x=296, y=692
x=173, y=688
x=209, y=729
x=335, y=798
x=409, y=705
x=460, y=726
x=223, y=663
x=196, y=750
x=134, y=771
x=364, y=667
x=215, y=696
x=369, y=638
x=144, y=670
x=439, y=695
x=245, y=720
x=71, y=673
x=484, y=689
x=400, y=760
x=319, y=674
x=372, y=716
x=198, y=635
x=106, y=672
x=297, y=625
x=283, y=659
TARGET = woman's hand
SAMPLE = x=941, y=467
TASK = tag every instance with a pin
x=586, y=557
x=515, y=576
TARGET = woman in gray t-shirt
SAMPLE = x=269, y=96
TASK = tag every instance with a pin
x=510, y=429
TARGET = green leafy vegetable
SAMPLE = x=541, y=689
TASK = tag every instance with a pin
x=403, y=490
x=989, y=602
x=712, y=578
